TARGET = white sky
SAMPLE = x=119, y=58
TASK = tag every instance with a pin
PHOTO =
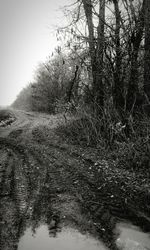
x=26, y=38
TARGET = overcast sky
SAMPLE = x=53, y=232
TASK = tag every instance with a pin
x=26, y=38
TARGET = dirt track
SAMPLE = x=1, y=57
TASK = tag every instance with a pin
x=42, y=179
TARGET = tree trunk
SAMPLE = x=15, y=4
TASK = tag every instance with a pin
x=147, y=50
x=133, y=82
x=87, y=4
x=99, y=85
x=96, y=53
x=118, y=84
x=71, y=84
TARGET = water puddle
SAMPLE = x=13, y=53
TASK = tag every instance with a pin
x=67, y=239
x=131, y=238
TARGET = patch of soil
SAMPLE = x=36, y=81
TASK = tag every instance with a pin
x=53, y=182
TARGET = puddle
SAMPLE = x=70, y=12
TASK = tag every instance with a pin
x=131, y=238
x=67, y=239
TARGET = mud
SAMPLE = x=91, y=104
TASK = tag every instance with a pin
x=43, y=180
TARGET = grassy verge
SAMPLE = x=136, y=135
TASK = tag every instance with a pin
x=108, y=134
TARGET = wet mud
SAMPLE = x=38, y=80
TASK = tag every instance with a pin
x=43, y=181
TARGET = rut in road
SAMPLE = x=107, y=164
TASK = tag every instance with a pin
x=43, y=180
x=49, y=176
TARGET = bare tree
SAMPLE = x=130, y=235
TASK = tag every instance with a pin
x=118, y=83
x=135, y=41
x=96, y=47
x=147, y=50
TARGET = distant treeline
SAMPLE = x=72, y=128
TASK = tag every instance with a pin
x=104, y=60
x=55, y=81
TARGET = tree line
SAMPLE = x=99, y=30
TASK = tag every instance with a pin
x=104, y=60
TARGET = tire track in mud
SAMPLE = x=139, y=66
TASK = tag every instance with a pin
x=73, y=173
x=61, y=171
x=30, y=157
x=5, y=162
x=21, y=174
x=52, y=159
x=51, y=173
x=22, y=193
x=50, y=181
x=60, y=197
x=52, y=177
x=54, y=167
x=105, y=213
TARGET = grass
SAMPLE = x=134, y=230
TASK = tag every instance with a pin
x=108, y=133
x=118, y=165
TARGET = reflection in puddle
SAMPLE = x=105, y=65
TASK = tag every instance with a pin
x=131, y=238
x=67, y=239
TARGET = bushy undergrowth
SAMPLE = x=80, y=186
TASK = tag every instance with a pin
x=108, y=132
x=134, y=153
x=93, y=129
x=5, y=114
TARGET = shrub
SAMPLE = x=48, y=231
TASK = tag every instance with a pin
x=134, y=152
x=93, y=129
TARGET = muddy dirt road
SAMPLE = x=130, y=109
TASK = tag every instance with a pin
x=43, y=180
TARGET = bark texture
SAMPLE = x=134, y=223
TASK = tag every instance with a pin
x=147, y=50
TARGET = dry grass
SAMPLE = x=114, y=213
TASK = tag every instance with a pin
x=107, y=132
